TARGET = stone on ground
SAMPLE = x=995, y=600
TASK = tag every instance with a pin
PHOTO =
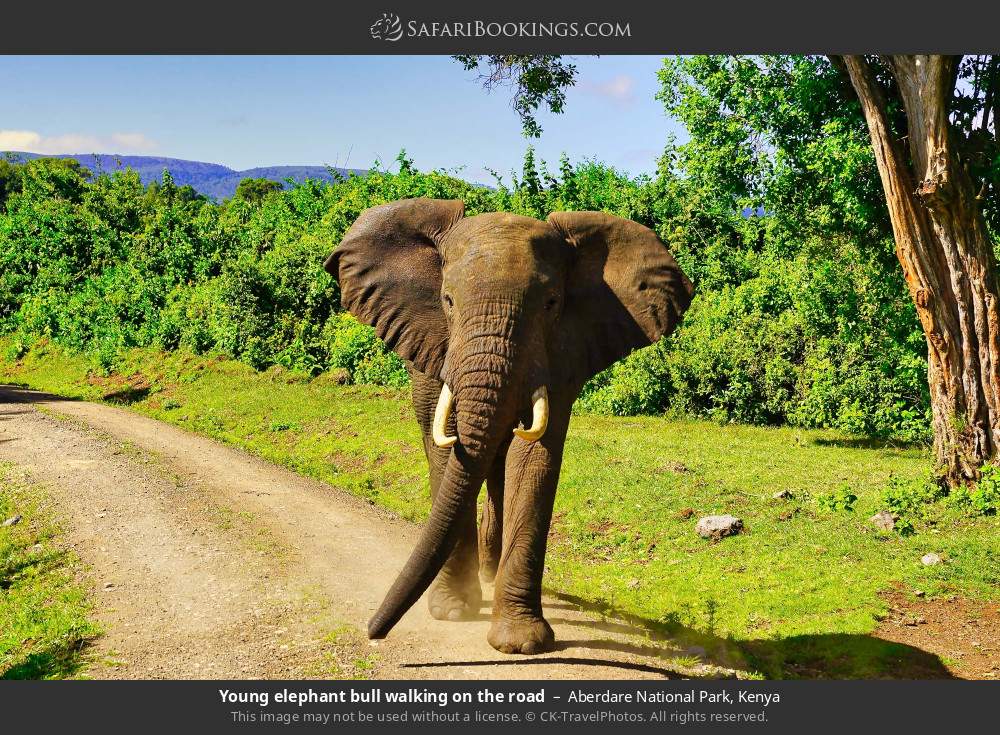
x=717, y=527
x=884, y=520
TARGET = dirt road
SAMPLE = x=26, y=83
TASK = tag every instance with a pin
x=207, y=562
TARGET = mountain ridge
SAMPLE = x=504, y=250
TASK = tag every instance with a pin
x=211, y=179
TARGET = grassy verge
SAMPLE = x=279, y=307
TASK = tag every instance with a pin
x=798, y=591
x=43, y=606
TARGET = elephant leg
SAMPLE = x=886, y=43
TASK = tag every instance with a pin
x=532, y=474
x=456, y=594
x=491, y=522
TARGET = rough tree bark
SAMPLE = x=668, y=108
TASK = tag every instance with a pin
x=946, y=253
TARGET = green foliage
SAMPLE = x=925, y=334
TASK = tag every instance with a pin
x=910, y=496
x=803, y=315
x=639, y=384
x=10, y=180
x=970, y=109
x=981, y=499
x=911, y=501
x=800, y=316
x=102, y=265
x=354, y=347
x=920, y=502
x=840, y=499
x=256, y=190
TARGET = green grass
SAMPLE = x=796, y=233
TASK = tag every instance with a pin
x=797, y=592
x=44, y=610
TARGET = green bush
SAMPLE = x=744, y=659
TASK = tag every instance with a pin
x=983, y=498
x=841, y=499
x=639, y=384
x=811, y=331
x=353, y=346
x=911, y=501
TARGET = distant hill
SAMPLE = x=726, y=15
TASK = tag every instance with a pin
x=211, y=179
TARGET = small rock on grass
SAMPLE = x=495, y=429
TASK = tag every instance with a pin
x=783, y=495
x=884, y=520
x=717, y=527
x=12, y=521
x=929, y=560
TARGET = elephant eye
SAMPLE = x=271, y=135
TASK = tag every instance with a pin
x=447, y=301
x=551, y=303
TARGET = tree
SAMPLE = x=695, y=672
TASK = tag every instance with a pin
x=256, y=190
x=534, y=79
x=933, y=127
x=942, y=240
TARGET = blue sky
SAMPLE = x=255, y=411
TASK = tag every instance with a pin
x=334, y=110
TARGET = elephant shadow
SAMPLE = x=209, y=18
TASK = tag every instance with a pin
x=668, y=650
x=21, y=393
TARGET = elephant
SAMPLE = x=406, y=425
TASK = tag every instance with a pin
x=501, y=319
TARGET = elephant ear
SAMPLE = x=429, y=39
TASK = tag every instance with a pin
x=624, y=290
x=389, y=271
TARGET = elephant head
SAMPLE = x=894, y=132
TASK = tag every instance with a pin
x=510, y=313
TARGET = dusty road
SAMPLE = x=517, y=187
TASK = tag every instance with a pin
x=207, y=562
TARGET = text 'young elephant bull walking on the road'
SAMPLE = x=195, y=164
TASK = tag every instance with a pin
x=501, y=319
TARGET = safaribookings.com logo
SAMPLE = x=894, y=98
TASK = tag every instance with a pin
x=387, y=28
x=390, y=28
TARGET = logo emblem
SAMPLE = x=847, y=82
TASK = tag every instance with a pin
x=387, y=28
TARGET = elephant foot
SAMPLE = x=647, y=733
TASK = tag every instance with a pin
x=450, y=601
x=527, y=635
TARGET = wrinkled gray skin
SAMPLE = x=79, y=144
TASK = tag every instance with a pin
x=496, y=306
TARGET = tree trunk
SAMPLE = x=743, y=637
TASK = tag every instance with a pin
x=946, y=253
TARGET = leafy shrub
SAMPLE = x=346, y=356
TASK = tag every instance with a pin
x=983, y=498
x=353, y=346
x=17, y=348
x=841, y=499
x=382, y=368
x=639, y=384
x=910, y=499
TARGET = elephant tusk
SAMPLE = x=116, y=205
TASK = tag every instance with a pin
x=539, y=416
x=441, y=414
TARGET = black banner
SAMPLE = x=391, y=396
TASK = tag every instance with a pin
x=521, y=706
x=448, y=27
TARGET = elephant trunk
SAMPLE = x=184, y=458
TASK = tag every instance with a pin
x=483, y=419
